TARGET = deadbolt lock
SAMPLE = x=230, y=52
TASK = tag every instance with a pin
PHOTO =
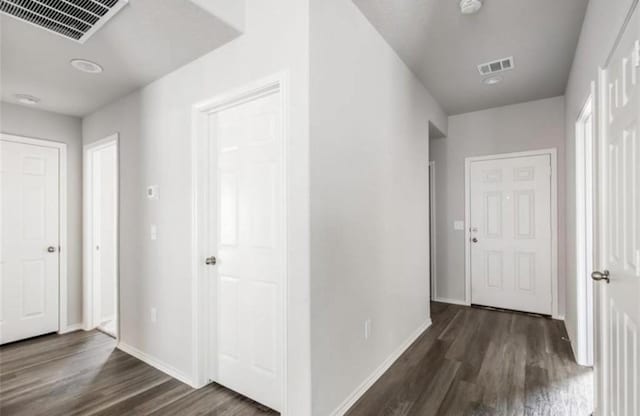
x=210, y=261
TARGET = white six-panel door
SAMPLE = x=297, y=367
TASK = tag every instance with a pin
x=510, y=206
x=249, y=218
x=617, y=359
x=29, y=260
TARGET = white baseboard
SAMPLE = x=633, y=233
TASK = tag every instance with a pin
x=378, y=372
x=71, y=328
x=451, y=301
x=154, y=362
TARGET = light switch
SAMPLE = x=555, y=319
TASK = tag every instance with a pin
x=152, y=192
x=458, y=225
x=154, y=232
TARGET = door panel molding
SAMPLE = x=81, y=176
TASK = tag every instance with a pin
x=552, y=153
x=63, y=326
x=617, y=314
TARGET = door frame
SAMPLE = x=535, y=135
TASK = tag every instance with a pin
x=552, y=153
x=63, y=326
x=432, y=230
x=584, y=344
x=201, y=203
x=88, y=292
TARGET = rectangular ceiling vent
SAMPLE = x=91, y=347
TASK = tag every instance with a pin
x=504, y=64
x=73, y=19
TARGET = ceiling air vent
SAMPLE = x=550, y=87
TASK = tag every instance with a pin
x=500, y=65
x=73, y=19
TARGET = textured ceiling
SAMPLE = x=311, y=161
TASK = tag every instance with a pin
x=144, y=41
x=444, y=47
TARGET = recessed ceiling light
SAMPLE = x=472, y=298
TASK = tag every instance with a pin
x=470, y=6
x=493, y=80
x=27, y=99
x=86, y=66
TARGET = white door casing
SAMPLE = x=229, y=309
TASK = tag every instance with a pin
x=248, y=216
x=617, y=358
x=510, y=231
x=30, y=229
x=585, y=133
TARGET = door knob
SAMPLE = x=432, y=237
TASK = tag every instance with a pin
x=475, y=240
x=51, y=249
x=597, y=276
x=210, y=261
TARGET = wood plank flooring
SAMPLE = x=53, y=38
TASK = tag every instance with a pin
x=82, y=373
x=470, y=362
x=480, y=362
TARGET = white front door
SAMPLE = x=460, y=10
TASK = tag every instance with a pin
x=617, y=359
x=248, y=182
x=510, y=206
x=29, y=260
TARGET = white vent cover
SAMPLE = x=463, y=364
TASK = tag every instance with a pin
x=504, y=64
x=73, y=19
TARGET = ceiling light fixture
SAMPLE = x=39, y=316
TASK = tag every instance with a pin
x=470, y=6
x=27, y=99
x=492, y=80
x=86, y=66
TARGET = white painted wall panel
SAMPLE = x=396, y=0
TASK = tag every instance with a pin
x=369, y=200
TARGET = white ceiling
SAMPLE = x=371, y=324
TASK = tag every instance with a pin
x=145, y=40
x=444, y=47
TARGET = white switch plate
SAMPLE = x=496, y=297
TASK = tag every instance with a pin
x=458, y=225
x=153, y=232
x=367, y=329
x=154, y=315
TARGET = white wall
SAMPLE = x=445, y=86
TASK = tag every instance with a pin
x=155, y=149
x=369, y=201
x=528, y=126
x=29, y=122
x=600, y=28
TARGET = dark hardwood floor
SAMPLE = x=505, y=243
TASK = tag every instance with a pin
x=470, y=362
x=82, y=373
x=480, y=362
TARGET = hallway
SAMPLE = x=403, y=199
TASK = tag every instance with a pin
x=470, y=362
x=479, y=362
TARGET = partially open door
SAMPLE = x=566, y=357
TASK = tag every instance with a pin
x=617, y=359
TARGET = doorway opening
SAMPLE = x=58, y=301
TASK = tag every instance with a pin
x=432, y=230
x=240, y=238
x=585, y=203
x=101, y=190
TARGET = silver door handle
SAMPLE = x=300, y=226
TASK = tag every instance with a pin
x=597, y=276
x=210, y=261
x=51, y=249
